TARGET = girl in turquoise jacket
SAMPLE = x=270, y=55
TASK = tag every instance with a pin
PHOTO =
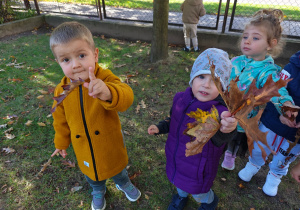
x=261, y=40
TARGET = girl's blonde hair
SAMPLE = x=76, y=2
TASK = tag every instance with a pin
x=270, y=20
x=69, y=31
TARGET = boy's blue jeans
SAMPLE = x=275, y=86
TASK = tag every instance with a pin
x=120, y=179
x=200, y=198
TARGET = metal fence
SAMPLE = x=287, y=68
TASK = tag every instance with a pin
x=223, y=16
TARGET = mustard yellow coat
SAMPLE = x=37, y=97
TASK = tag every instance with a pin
x=93, y=126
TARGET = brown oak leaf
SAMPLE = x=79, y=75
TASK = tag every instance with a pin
x=240, y=104
x=67, y=90
x=203, y=132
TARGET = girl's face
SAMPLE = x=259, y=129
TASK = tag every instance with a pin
x=75, y=58
x=204, y=88
x=254, y=43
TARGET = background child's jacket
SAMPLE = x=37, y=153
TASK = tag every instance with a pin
x=93, y=126
x=192, y=10
x=270, y=116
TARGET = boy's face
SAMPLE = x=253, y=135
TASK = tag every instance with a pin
x=75, y=58
x=204, y=88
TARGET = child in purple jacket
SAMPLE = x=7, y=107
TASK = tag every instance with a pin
x=195, y=174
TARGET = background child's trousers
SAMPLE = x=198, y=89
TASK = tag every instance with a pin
x=190, y=32
x=281, y=160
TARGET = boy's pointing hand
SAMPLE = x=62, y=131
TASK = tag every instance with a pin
x=97, y=88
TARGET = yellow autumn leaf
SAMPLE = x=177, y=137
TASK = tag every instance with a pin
x=41, y=124
x=40, y=96
x=43, y=92
x=28, y=123
x=201, y=116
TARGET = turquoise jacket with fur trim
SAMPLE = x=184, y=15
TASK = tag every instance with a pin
x=93, y=126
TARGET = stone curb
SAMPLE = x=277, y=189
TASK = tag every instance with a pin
x=138, y=31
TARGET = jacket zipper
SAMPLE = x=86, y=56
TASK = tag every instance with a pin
x=177, y=139
x=86, y=131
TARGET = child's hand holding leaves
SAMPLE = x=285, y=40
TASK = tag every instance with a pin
x=228, y=122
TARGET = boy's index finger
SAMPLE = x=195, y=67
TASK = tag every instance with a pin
x=91, y=74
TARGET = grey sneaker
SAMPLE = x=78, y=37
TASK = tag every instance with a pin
x=98, y=202
x=131, y=192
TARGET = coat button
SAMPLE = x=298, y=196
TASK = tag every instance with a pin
x=97, y=132
x=77, y=136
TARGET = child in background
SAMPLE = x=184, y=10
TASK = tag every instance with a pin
x=192, y=10
x=88, y=116
x=195, y=174
x=260, y=41
x=280, y=131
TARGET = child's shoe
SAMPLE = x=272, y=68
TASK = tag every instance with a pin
x=178, y=202
x=186, y=49
x=210, y=206
x=248, y=172
x=131, y=192
x=270, y=188
x=196, y=49
x=228, y=162
x=98, y=202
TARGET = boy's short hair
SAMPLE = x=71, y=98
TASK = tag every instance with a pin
x=214, y=56
x=69, y=31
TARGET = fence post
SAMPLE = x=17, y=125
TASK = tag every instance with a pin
x=225, y=16
x=37, y=7
x=104, y=11
x=100, y=13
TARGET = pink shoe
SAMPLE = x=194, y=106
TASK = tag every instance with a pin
x=228, y=162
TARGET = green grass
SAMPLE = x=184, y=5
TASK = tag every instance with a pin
x=155, y=84
x=243, y=9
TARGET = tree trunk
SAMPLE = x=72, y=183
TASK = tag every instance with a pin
x=159, y=44
x=27, y=4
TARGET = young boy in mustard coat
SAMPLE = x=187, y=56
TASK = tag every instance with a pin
x=88, y=116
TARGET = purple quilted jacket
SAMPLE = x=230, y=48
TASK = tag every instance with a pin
x=194, y=174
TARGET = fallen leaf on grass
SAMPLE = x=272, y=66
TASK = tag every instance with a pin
x=45, y=165
x=135, y=175
x=15, y=80
x=40, y=97
x=146, y=197
x=241, y=186
x=9, y=136
x=81, y=204
x=68, y=163
x=3, y=126
x=41, y=124
x=74, y=189
x=223, y=179
x=28, y=123
x=8, y=150
x=143, y=105
x=137, y=109
x=43, y=92
x=119, y=66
